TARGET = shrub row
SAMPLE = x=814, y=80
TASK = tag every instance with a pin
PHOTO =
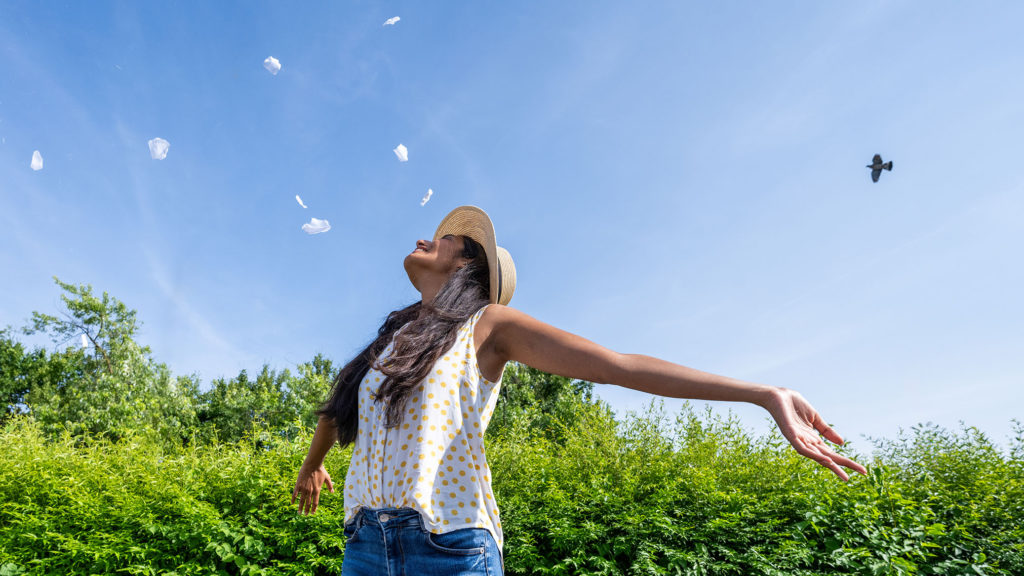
x=650, y=494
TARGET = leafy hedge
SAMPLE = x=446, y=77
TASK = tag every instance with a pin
x=689, y=494
x=697, y=495
x=137, y=506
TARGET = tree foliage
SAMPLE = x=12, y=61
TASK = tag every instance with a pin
x=113, y=385
x=109, y=386
x=535, y=402
x=274, y=400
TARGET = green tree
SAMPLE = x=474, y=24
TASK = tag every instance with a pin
x=541, y=403
x=15, y=367
x=110, y=386
x=25, y=373
x=232, y=407
x=274, y=400
x=307, y=391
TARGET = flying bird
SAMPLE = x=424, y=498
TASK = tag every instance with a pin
x=877, y=166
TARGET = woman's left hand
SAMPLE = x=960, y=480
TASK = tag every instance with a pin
x=801, y=424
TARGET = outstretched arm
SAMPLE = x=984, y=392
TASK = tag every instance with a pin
x=518, y=337
x=312, y=474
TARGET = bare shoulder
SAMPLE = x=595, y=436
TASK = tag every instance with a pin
x=497, y=319
x=494, y=316
x=486, y=339
x=509, y=334
x=497, y=324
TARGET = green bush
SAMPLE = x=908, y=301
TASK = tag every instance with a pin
x=698, y=495
x=136, y=506
x=693, y=493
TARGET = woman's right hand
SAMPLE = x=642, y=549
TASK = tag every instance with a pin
x=308, y=486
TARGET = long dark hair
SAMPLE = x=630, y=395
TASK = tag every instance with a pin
x=429, y=331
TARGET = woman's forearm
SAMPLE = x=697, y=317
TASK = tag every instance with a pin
x=664, y=378
x=324, y=437
x=521, y=338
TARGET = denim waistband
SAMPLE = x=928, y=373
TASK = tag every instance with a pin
x=394, y=518
x=389, y=517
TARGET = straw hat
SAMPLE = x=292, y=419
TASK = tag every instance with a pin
x=473, y=222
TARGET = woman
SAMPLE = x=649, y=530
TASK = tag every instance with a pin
x=417, y=400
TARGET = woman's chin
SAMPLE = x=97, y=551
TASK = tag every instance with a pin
x=411, y=267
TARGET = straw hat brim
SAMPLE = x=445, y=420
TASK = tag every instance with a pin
x=473, y=222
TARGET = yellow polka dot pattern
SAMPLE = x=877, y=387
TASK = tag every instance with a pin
x=434, y=460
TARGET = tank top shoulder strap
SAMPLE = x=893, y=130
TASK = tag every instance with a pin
x=476, y=317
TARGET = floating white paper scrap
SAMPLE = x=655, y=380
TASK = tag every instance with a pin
x=85, y=342
x=158, y=148
x=37, y=160
x=300, y=201
x=316, y=226
x=272, y=65
x=402, y=152
x=391, y=21
x=426, y=198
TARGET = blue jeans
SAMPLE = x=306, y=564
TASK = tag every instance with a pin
x=395, y=542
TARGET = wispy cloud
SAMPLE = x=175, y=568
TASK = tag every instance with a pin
x=756, y=366
x=210, y=337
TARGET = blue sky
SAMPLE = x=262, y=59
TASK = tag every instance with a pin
x=683, y=180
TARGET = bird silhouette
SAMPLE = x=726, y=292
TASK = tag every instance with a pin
x=877, y=166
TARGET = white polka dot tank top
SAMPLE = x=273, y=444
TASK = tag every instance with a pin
x=434, y=460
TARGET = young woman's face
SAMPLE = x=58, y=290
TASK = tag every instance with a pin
x=438, y=259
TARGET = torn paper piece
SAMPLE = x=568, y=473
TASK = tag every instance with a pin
x=272, y=65
x=402, y=152
x=85, y=342
x=158, y=148
x=316, y=226
x=391, y=21
x=37, y=161
x=299, y=200
x=426, y=198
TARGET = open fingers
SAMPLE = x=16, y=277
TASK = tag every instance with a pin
x=823, y=428
x=829, y=434
x=823, y=455
x=307, y=503
x=304, y=498
x=308, y=493
x=834, y=437
x=841, y=460
x=827, y=458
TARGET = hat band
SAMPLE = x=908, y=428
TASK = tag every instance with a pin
x=498, y=258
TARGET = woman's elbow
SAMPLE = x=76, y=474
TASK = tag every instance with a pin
x=612, y=368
